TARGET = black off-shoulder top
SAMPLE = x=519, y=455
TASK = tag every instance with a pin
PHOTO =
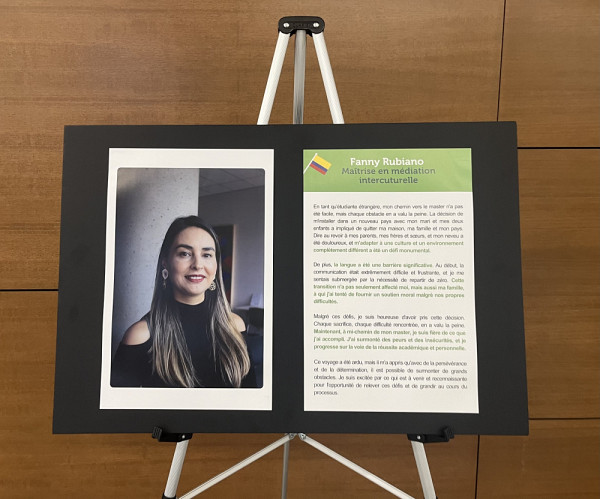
x=132, y=364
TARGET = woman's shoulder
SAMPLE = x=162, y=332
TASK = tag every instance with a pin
x=136, y=334
x=240, y=325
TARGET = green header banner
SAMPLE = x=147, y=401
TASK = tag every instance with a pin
x=387, y=170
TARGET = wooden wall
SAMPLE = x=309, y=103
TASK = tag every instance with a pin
x=206, y=62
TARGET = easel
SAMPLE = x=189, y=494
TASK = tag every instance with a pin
x=300, y=26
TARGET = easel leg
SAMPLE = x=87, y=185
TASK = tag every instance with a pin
x=328, y=81
x=273, y=79
x=242, y=464
x=299, y=72
x=424, y=472
x=284, y=478
x=175, y=471
x=356, y=468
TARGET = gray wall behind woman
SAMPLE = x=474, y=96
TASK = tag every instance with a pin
x=245, y=210
x=148, y=200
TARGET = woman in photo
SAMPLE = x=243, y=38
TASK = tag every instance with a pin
x=189, y=338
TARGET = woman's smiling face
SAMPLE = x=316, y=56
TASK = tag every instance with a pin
x=192, y=265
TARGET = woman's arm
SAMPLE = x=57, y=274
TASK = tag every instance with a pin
x=131, y=363
x=240, y=325
x=137, y=334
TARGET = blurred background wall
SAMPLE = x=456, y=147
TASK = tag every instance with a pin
x=147, y=201
x=187, y=62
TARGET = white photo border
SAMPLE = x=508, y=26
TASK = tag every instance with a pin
x=243, y=399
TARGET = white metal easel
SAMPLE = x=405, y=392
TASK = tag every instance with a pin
x=300, y=26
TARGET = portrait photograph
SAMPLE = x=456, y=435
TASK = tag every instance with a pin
x=188, y=260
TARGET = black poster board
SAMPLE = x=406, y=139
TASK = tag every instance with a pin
x=502, y=390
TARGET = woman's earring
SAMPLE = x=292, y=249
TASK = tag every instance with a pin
x=212, y=286
x=165, y=275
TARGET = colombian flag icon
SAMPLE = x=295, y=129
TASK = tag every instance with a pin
x=319, y=164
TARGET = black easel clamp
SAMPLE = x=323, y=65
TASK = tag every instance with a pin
x=162, y=436
x=446, y=436
x=310, y=24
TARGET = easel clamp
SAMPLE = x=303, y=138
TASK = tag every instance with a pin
x=162, y=436
x=446, y=436
x=310, y=24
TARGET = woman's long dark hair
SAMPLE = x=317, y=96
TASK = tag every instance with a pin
x=171, y=358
